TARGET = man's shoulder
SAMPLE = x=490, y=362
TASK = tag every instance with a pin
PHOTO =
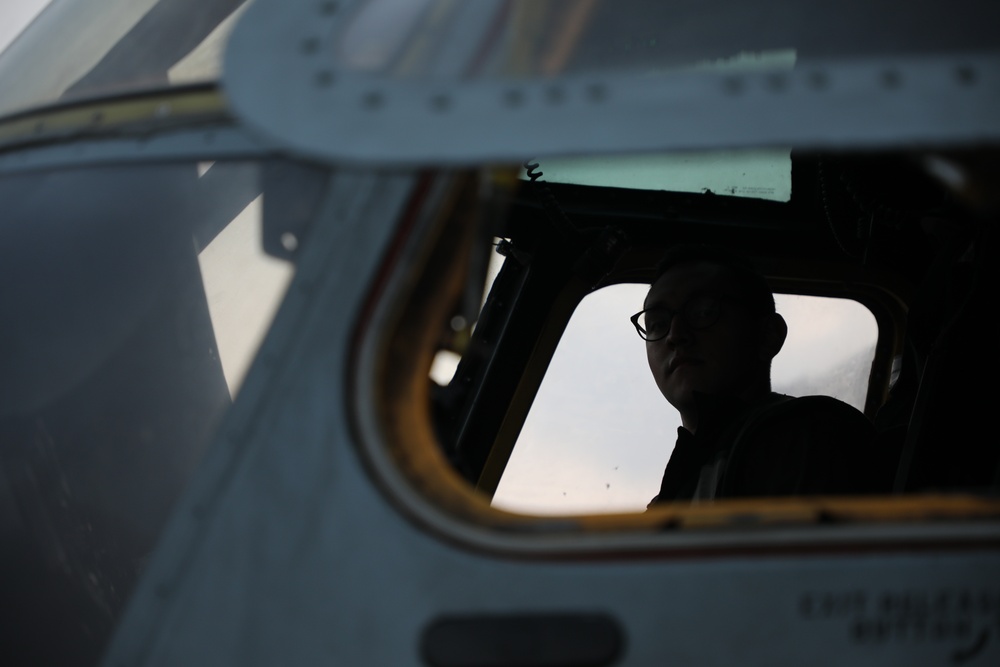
x=781, y=409
x=804, y=421
x=809, y=444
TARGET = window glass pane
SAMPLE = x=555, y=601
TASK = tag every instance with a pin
x=110, y=47
x=758, y=174
x=599, y=433
x=134, y=298
x=829, y=349
x=548, y=37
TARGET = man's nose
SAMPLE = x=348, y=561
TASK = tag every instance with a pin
x=679, y=332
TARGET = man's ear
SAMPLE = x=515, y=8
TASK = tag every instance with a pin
x=773, y=331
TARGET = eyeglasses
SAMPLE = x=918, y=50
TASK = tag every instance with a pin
x=699, y=312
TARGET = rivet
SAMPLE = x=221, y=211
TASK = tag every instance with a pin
x=310, y=45
x=513, y=98
x=96, y=117
x=891, y=79
x=733, y=85
x=440, y=102
x=324, y=78
x=373, y=100
x=597, y=92
x=776, y=83
x=966, y=75
x=817, y=80
x=555, y=95
x=289, y=241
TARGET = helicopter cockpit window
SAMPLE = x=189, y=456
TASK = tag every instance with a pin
x=599, y=433
x=547, y=402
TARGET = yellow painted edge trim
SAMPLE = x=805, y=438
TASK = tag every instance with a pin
x=102, y=116
x=807, y=510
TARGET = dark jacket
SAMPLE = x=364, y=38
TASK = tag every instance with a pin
x=778, y=446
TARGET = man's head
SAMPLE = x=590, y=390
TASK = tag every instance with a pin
x=711, y=327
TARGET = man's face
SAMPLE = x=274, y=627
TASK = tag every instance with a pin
x=723, y=359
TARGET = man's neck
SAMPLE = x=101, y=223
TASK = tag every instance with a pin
x=713, y=411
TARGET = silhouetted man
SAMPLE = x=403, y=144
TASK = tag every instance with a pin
x=711, y=331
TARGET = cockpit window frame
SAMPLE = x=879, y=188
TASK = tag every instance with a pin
x=401, y=446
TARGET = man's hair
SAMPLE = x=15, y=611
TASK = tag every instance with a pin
x=745, y=275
